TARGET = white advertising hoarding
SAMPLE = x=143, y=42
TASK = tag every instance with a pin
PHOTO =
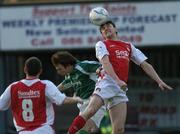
x=67, y=26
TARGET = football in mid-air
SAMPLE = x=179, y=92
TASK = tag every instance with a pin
x=98, y=16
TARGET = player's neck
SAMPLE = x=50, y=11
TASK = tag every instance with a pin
x=113, y=37
x=31, y=77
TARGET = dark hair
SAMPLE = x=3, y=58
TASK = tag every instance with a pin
x=64, y=58
x=107, y=23
x=33, y=65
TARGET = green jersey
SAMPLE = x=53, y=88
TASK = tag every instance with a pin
x=82, y=79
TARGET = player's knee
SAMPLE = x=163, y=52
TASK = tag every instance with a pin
x=89, y=128
x=93, y=130
x=119, y=130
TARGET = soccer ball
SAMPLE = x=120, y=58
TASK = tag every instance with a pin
x=98, y=16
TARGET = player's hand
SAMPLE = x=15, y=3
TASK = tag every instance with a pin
x=78, y=99
x=164, y=86
x=98, y=71
x=122, y=85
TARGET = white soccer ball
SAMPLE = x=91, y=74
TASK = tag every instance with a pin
x=98, y=16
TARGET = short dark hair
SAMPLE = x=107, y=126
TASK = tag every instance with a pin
x=64, y=58
x=111, y=22
x=33, y=66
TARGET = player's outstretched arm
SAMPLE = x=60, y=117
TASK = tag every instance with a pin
x=150, y=71
x=72, y=100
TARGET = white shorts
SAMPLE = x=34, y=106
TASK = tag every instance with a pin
x=98, y=115
x=45, y=129
x=110, y=92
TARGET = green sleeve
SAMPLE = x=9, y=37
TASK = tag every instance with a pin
x=90, y=66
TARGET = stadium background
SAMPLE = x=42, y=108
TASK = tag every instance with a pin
x=154, y=27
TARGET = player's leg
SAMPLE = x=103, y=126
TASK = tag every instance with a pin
x=118, y=117
x=93, y=124
x=90, y=126
x=95, y=103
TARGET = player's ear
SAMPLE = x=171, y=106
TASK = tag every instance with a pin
x=116, y=30
x=25, y=69
x=40, y=72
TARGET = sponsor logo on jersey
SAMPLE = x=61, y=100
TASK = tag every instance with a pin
x=77, y=84
x=122, y=54
x=29, y=94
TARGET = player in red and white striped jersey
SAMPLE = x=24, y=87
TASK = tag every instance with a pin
x=31, y=101
x=114, y=55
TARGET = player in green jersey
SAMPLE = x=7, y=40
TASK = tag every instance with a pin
x=81, y=76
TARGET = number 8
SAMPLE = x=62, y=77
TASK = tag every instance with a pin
x=27, y=107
